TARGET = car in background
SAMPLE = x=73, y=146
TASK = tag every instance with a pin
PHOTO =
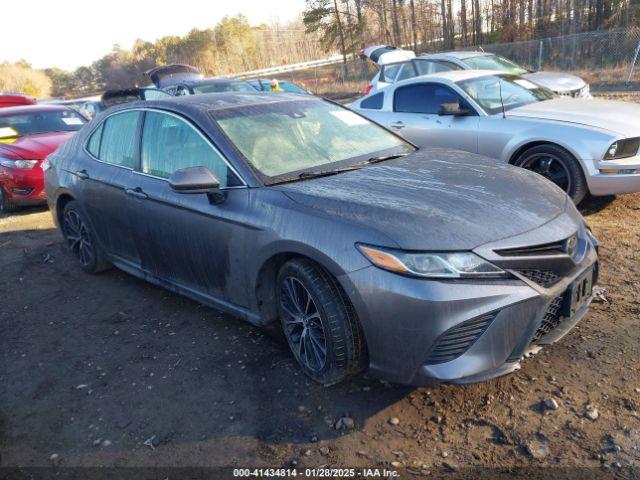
x=178, y=80
x=580, y=145
x=263, y=85
x=16, y=100
x=422, y=264
x=116, y=97
x=563, y=84
x=27, y=135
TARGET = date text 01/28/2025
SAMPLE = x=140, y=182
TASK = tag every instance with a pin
x=315, y=473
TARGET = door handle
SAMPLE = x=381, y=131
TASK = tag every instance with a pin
x=136, y=192
x=397, y=125
x=82, y=174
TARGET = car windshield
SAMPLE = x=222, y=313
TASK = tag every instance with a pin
x=491, y=92
x=223, y=87
x=42, y=121
x=494, y=62
x=289, y=139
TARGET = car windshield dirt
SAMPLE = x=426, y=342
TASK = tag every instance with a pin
x=493, y=91
x=43, y=121
x=223, y=87
x=288, y=140
x=494, y=62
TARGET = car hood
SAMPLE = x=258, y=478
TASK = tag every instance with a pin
x=556, y=81
x=36, y=147
x=435, y=199
x=618, y=117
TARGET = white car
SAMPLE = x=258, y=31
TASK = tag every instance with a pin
x=580, y=145
x=396, y=65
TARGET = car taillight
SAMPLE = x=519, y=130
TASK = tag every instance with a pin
x=368, y=89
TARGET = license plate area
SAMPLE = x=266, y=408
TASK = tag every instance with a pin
x=579, y=292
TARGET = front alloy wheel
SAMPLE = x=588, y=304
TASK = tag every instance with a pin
x=302, y=325
x=319, y=322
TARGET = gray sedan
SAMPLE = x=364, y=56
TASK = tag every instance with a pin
x=580, y=145
x=422, y=265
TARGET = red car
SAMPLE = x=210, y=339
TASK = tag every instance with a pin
x=16, y=99
x=27, y=135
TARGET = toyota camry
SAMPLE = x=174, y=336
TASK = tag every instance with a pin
x=421, y=265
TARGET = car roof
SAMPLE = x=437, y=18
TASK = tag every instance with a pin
x=451, y=75
x=460, y=55
x=218, y=101
x=32, y=108
x=210, y=81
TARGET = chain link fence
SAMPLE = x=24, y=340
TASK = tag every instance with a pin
x=605, y=57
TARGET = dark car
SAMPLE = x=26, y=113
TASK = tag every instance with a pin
x=263, y=85
x=27, y=135
x=179, y=80
x=421, y=264
x=114, y=97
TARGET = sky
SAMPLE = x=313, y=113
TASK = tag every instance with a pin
x=71, y=33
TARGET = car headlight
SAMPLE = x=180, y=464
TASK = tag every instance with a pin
x=431, y=264
x=15, y=163
x=623, y=148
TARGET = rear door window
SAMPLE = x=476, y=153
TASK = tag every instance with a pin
x=117, y=139
x=390, y=71
x=373, y=102
x=423, y=98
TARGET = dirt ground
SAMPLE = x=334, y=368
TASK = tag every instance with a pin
x=108, y=370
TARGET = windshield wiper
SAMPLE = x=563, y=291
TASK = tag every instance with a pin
x=386, y=157
x=326, y=173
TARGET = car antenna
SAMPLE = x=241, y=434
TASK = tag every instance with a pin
x=504, y=115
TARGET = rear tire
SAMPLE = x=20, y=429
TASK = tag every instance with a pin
x=6, y=204
x=558, y=166
x=319, y=323
x=81, y=239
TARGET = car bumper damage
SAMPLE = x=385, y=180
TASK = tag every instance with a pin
x=424, y=331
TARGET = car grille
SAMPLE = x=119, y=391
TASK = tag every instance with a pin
x=544, y=278
x=457, y=340
x=551, y=319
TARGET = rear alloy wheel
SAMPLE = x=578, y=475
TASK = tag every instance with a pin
x=6, y=204
x=81, y=240
x=557, y=165
x=319, y=323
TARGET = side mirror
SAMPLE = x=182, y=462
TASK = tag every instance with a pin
x=453, y=109
x=194, y=180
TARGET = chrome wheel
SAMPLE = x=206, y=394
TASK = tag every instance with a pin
x=78, y=237
x=303, y=325
x=550, y=167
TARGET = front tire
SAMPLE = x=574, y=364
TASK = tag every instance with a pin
x=81, y=239
x=6, y=204
x=558, y=166
x=319, y=323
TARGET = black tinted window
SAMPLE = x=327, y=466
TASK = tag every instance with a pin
x=422, y=98
x=373, y=102
x=118, y=142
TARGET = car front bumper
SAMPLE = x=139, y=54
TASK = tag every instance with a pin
x=23, y=186
x=406, y=319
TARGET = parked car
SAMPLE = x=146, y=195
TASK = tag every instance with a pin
x=179, y=80
x=580, y=145
x=116, y=97
x=16, y=100
x=263, y=85
x=27, y=135
x=421, y=264
x=561, y=83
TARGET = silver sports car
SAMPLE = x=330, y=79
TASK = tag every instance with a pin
x=396, y=65
x=580, y=145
